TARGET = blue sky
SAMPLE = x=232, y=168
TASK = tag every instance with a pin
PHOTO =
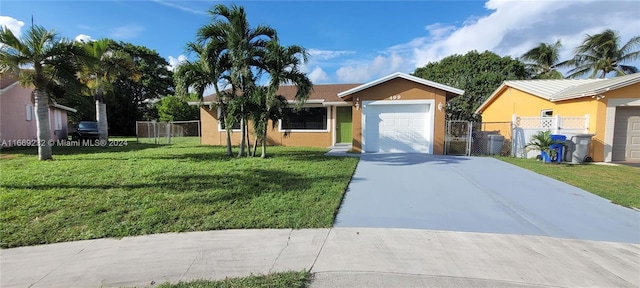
x=349, y=41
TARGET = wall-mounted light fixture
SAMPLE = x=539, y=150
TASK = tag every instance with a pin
x=440, y=106
x=357, y=103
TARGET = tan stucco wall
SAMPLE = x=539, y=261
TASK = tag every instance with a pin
x=408, y=90
x=211, y=135
x=513, y=101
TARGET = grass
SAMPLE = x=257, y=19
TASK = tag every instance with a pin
x=620, y=184
x=284, y=280
x=92, y=192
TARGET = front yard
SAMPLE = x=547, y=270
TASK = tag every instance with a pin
x=91, y=192
x=620, y=184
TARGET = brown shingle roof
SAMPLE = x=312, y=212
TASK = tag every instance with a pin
x=326, y=92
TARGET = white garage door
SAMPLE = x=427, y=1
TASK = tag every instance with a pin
x=626, y=135
x=398, y=128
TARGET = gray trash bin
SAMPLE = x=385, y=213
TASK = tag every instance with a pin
x=569, y=147
x=494, y=145
x=581, y=151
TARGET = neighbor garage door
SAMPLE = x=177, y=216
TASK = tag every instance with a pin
x=398, y=128
x=626, y=134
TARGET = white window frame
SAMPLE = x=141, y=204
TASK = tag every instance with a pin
x=543, y=113
x=220, y=123
x=29, y=111
x=305, y=130
x=57, y=115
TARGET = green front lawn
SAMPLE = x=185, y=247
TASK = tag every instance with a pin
x=276, y=280
x=620, y=184
x=92, y=192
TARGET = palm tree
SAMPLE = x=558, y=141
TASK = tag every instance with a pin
x=602, y=53
x=260, y=113
x=543, y=60
x=241, y=44
x=283, y=66
x=49, y=59
x=204, y=72
x=99, y=73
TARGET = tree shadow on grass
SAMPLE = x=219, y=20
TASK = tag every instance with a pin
x=304, y=156
x=206, y=188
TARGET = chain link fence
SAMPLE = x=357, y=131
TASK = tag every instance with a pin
x=168, y=132
x=478, y=138
x=507, y=138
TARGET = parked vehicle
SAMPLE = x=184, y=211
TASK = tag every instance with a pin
x=86, y=130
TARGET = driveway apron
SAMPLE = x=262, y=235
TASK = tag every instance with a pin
x=477, y=194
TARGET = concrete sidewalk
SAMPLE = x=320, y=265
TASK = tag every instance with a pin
x=339, y=257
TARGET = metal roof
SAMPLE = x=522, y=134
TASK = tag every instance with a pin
x=548, y=89
x=564, y=89
x=599, y=87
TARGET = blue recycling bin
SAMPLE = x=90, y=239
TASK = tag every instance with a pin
x=559, y=147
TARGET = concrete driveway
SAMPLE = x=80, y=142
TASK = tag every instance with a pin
x=477, y=194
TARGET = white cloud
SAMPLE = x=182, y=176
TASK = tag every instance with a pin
x=126, y=32
x=511, y=28
x=318, y=76
x=12, y=24
x=173, y=62
x=83, y=38
x=379, y=67
x=439, y=30
x=180, y=7
x=320, y=54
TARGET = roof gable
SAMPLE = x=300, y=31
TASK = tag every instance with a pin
x=403, y=76
x=563, y=89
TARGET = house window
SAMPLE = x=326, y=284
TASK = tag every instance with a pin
x=308, y=118
x=221, y=127
x=546, y=123
x=58, y=119
x=236, y=125
x=29, y=110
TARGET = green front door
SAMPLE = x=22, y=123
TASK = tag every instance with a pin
x=343, y=124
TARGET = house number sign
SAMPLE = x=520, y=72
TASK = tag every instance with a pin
x=395, y=97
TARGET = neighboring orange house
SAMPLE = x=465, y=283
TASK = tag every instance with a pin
x=18, y=118
x=612, y=106
x=396, y=113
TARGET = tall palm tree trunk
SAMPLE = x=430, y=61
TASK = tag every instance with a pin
x=223, y=117
x=243, y=134
x=101, y=117
x=246, y=131
x=264, y=139
x=42, y=122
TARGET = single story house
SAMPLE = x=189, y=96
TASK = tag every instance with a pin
x=17, y=114
x=612, y=107
x=396, y=113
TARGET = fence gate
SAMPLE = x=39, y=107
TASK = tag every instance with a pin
x=478, y=138
x=458, y=138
